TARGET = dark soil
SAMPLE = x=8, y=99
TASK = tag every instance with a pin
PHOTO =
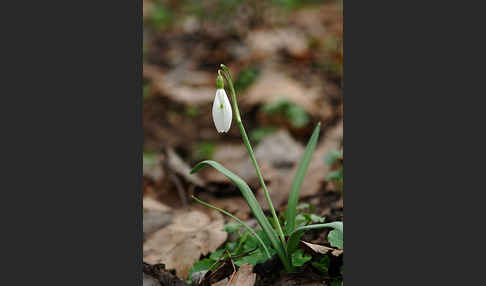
x=158, y=274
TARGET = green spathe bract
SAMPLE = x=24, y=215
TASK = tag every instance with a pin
x=286, y=249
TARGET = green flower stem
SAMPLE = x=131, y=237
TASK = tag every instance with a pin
x=252, y=155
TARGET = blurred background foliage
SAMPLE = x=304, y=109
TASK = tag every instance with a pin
x=286, y=59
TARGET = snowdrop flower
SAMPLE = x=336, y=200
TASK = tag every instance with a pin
x=222, y=113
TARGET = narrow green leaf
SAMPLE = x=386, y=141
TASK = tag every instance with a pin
x=336, y=225
x=294, y=238
x=254, y=207
x=298, y=179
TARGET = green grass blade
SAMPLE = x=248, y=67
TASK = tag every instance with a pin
x=238, y=220
x=299, y=178
x=254, y=207
x=294, y=238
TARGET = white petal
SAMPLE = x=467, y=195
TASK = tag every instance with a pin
x=217, y=114
x=228, y=113
x=222, y=113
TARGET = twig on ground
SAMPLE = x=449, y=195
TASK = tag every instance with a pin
x=179, y=187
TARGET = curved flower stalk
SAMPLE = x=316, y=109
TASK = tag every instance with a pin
x=246, y=141
x=222, y=113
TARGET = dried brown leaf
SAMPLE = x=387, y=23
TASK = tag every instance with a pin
x=267, y=42
x=223, y=282
x=323, y=249
x=244, y=276
x=236, y=205
x=156, y=215
x=192, y=234
x=274, y=85
x=280, y=150
x=151, y=204
x=185, y=85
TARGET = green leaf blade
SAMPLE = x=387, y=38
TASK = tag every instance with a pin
x=293, y=241
x=299, y=178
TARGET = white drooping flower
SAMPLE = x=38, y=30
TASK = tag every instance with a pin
x=222, y=113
